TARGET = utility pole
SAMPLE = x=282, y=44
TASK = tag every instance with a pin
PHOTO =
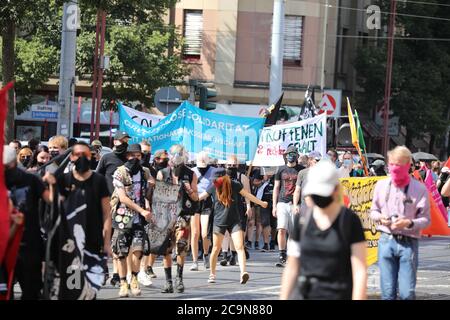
x=276, y=56
x=387, y=90
x=324, y=49
x=67, y=67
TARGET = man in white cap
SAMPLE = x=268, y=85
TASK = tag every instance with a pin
x=200, y=221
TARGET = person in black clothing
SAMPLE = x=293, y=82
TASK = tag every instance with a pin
x=106, y=167
x=25, y=190
x=327, y=249
x=283, y=193
x=82, y=185
x=226, y=195
x=110, y=162
x=178, y=173
x=146, y=154
x=265, y=191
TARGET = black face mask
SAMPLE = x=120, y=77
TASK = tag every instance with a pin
x=177, y=170
x=322, y=202
x=162, y=165
x=40, y=164
x=83, y=164
x=146, y=159
x=54, y=154
x=291, y=158
x=204, y=170
x=133, y=165
x=232, y=172
x=11, y=177
x=121, y=149
x=25, y=161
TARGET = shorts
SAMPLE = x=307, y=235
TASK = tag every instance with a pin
x=205, y=206
x=131, y=240
x=257, y=214
x=285, y=216
x=265, y=215
x=231, y=229
x=179, y=237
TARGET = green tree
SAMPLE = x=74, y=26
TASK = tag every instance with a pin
x=420, y=72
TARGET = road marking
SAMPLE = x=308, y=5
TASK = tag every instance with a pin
x=239, y=292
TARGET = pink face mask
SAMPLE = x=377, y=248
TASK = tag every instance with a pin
x=400, y=174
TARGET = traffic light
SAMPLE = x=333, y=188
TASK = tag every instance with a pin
x=205, y=94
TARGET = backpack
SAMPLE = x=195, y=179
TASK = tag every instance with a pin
x=122, y=216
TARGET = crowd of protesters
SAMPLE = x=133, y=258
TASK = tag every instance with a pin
x=225, y=210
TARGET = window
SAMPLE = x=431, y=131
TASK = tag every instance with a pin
x=193, y=34
x=293, y=36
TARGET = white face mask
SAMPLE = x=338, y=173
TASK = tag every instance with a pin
x=347, y=163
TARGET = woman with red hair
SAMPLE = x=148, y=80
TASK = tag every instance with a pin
x=226, y=195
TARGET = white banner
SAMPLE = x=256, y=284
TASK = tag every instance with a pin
x=143, y=118
x=307, y=135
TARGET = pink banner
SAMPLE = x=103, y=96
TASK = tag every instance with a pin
x=431, y=186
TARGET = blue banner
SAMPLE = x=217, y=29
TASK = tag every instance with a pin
x=198, y=130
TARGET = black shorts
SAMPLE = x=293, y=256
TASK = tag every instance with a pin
x=131, y=240
x=265, y=216
x=231, y=229
x=205, y=206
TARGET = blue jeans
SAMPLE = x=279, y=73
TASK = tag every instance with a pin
x=398, y=262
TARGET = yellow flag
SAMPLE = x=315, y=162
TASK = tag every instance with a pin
x=355, y=141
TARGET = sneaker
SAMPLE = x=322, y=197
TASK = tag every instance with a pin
x=144, y=279
x=272, y=246
x=105, y=279
x=206, y=262
x=256, y=245
x=244, y=277
x=265, y=248
x=179, y=285
x=212, y=278
x=224, y=260
x=248, y=245
x=233, y=260
x=123, y=292
x=194, y=266
x=134, y=286
x=115, y=279
x=282, y=262
x=150, y=272
x=168, y=288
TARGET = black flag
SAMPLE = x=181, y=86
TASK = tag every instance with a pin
x=274, y=109
x=308, y=109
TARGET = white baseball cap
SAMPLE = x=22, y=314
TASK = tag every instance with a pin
x=202, y=159
x=9, y=154
x=322, y=179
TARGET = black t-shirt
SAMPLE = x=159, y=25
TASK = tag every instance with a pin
x=288, y=177
x=95, y=190
x=107, y=166
x=26, y=191
x=223, y=216
x=325, y=254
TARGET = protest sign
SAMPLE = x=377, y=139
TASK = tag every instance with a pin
x=198, y=130
x=358, y=195
x=307, y=135
x=165, y=208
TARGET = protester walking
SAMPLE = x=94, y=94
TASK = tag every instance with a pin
x=283, y=193
x=327, y=249
x=401, y=206
x=226, y=195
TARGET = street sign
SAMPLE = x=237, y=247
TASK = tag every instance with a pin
x=331, y=103
x=394, y=124
x=167, y=99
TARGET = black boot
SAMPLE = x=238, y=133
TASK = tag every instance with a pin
x=233, y=258
x=168, y=288
x=224, y=260
x=179, y=280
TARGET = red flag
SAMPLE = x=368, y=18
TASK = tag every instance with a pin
x=4, y=214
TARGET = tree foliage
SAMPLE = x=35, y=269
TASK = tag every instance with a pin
x=421, y=75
